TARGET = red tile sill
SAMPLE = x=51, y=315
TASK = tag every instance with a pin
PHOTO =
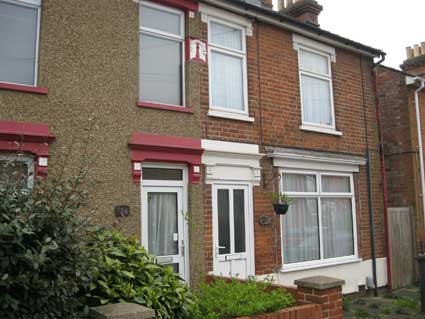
x=165, y=107
x=23, y=88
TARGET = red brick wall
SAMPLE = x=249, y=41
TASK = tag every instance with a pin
x=397, y=134
x=274, y=64
x=401, y=144
x=308, y=311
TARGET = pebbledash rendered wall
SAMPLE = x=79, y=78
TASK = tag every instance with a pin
x=89, y=62
x=274, y=103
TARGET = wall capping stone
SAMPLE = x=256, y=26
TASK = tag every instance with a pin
x=319, y=282
x=121, y=311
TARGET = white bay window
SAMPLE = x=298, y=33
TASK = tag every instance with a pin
x=319, y=227
x=19, y=33
x=161, y=54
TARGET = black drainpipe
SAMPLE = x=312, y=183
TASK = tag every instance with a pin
x=369, y=185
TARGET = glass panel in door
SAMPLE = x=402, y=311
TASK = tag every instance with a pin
x=164, y=235
x=231, y=221
x=163, y=224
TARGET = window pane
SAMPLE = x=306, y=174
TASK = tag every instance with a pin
x=160, y=70
x=227, y=81
x=226, y=36
x=299, y=183
x=337, y=223
x=336, y=184
x=314, y=62
x=239, y=219
x=162, y=174
x=223, y=221
x=162, y=219
x=300, y=231
x=14, y=173
x=316, y=100
x=18, y=40
x=161, y=20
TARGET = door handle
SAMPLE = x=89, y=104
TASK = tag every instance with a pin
x=182, y=246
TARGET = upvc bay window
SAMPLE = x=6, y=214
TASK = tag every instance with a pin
x=227, y=67
x=19, y=34
x=161, y=54
x=319, y=227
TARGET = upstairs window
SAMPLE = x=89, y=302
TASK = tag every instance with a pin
x=161, y=54
x=16, y=170
x=19, y=33
x=227, y=67
x=316, y=88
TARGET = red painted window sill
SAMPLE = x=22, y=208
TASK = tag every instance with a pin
x=165, y=107
x=23, y=88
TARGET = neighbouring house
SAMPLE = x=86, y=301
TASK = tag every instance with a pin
x=404, y=174
x=194, y=112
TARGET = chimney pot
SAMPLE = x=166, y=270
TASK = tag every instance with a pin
x=409, y=52
x=280, y=5
x=416, y=50
x=267, y=3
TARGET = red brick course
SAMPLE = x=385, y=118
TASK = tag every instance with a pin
x=308, y=311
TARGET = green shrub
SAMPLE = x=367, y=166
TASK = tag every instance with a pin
x=223, y=299
x=42, y=263
x=122, y=271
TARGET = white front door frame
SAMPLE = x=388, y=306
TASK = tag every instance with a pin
x=162, y=185
x=249, y=223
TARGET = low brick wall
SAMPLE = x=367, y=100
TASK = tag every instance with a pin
x=317, y=297
x=307, y=311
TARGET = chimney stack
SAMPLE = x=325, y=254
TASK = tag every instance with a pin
x=415, y=59
x=303, y=10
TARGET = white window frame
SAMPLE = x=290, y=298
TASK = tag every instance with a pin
x=319, y=76
x=37, y=5
x=319, y=194
x=25, y=159
x=168, y=36
x=221, y=111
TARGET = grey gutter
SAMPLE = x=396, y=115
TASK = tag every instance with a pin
x=274, y=18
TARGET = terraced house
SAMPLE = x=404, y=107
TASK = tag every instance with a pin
x=194, y=112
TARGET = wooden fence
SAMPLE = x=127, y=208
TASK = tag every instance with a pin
x=401, y=232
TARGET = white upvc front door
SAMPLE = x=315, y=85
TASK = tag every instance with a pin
x=233, y=231
x=164, y=226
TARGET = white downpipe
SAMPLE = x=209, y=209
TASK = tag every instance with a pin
x=421, y=154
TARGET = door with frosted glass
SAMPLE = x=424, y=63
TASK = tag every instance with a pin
x=162, y=227
x=233, y=254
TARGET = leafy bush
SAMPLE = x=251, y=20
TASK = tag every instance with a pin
x=42, y=261
x=231, y=299
x=122, y=271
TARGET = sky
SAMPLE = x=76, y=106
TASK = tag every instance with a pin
x=389, y=25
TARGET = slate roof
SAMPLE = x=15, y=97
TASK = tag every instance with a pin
x=246, y=4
